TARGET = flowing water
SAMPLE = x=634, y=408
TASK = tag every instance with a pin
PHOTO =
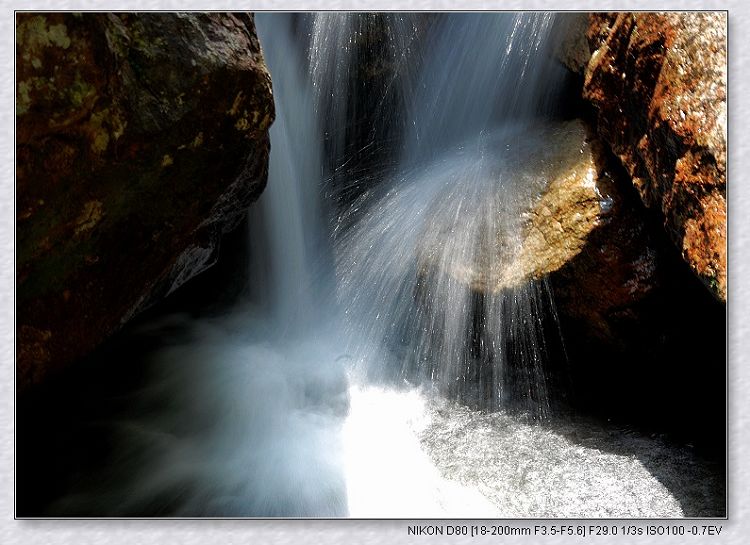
x=347, y=382
x=453, y=210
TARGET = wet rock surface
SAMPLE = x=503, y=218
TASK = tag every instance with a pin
x=578, y=198
x=632, y=317
x=658, y=83
x=141, y=138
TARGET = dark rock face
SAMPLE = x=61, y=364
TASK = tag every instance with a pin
x=658, y=83
x=602, y=287
x=638, y=326
x=141, y=138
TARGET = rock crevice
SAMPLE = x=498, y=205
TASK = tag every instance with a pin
x=658, y=84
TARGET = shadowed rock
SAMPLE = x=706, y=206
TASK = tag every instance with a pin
x=141, y=138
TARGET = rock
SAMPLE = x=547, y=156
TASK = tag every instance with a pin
x=572, y=49
x=585, y=233
x=141, y=138
x=639, y=328
x=574, y=203
x=561, y=223
x=553, y=227
x=658, y=83
x=600, y=291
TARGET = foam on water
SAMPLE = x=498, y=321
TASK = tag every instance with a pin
x=554, y=470
x=388, y=473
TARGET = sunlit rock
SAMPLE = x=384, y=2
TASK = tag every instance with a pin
x=658, y=82
x=552, y=228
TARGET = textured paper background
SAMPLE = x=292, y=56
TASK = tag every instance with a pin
x=736, y=529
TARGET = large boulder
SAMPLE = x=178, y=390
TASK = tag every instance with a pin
x=141, y=139
x=553, y=214
x=585, y=233
x=577, y=199
x=658, y=83
x=635, y=322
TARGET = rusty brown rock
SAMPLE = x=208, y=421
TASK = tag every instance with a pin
x=141, y=138
x=658, y=82
x=600, y=293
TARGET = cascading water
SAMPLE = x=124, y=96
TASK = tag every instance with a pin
x=454, y=213
x=294, y=403
x=362, y=69
x=257, y=397
x=480, y=72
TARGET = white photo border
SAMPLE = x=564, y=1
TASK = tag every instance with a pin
x=195, y=532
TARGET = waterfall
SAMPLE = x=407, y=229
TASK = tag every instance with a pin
x=452, y=211
x=362, y=69
x=243, y=411
x=481, y=71
x=289, y=212
x=379, y=276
